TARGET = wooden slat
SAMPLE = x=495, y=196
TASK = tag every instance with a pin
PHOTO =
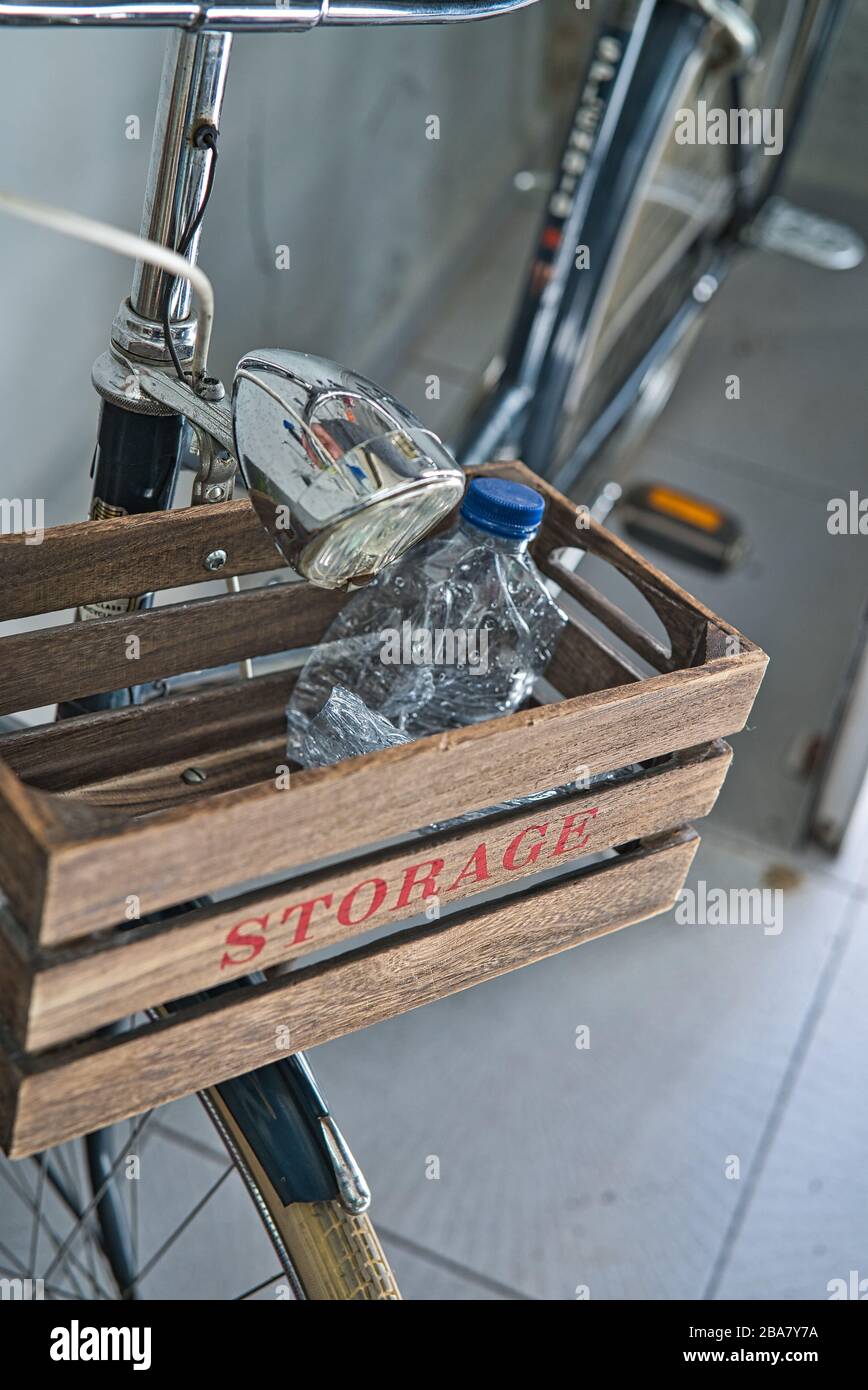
x=133, y=757
x=88, y=858
x=616, y=620
x=48, y=1099
x=685, y=619
x=75, y=991
x=685, y=625
x=16, y=978
x=65, y=663
x=126, y=556
x=222, y=841
x=107, y=747
x=25, y=842
x=583, y=662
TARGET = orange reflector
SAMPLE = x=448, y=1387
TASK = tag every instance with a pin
x=688, y=509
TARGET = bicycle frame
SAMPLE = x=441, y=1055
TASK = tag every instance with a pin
x=553, y=275
x=135, y=469
x=635, y=39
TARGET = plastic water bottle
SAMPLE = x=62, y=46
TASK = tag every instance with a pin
x=455, y=632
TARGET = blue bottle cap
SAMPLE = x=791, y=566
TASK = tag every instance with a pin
x=504, y=508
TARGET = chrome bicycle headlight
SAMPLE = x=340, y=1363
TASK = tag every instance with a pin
x=343, y=477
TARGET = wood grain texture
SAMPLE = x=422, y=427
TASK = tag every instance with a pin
x=218, y=842
x=76, y=990
x=119, y=558
x=48, y=1099
x=685, y=619
x=94, y=811
x=582, y=661
x=616, y=620
x=16, y=978
x=236, y=732
x=27, y=831
x=65, y=663
x=109, y=746
x=126, y=824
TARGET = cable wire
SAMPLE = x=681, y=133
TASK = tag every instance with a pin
x=206, y=138
x=124, y=244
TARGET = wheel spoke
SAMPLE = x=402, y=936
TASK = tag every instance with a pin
x=191, y=1215
x=80, y=1223
x=52, y=1224
x=66, y=1186
x=36, y=1225
x=70, y=1171
x=134, y=1207
x=50, y=1288
x=13, y=1259
x=24, y=1196
x=257, y=1288
x=195, y=1146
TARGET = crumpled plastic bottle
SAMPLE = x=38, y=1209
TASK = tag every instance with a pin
x=454, y=633
x=345, y=728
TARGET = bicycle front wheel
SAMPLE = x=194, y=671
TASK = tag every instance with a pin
x=195, y=1219
x=333, y=1253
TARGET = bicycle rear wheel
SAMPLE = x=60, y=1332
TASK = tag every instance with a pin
x=656, y=226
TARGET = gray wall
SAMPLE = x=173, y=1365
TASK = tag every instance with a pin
x=324, y=150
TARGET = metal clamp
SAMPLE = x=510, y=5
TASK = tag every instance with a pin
x=206, y=411
x=215, y=481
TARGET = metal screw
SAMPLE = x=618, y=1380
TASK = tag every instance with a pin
x=193, y=774
x=211, y=388
x=214, y=493
x=216, y=560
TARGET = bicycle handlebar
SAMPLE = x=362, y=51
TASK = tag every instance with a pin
x=242, y=18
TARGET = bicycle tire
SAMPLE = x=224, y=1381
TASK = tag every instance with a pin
x=329, y=1253
x=323, y=1252
x=336, y=1255
x=620, y=324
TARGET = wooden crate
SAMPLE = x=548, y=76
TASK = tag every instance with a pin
x=98, y=824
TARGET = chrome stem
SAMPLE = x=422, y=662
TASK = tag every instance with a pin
x=191, y=95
